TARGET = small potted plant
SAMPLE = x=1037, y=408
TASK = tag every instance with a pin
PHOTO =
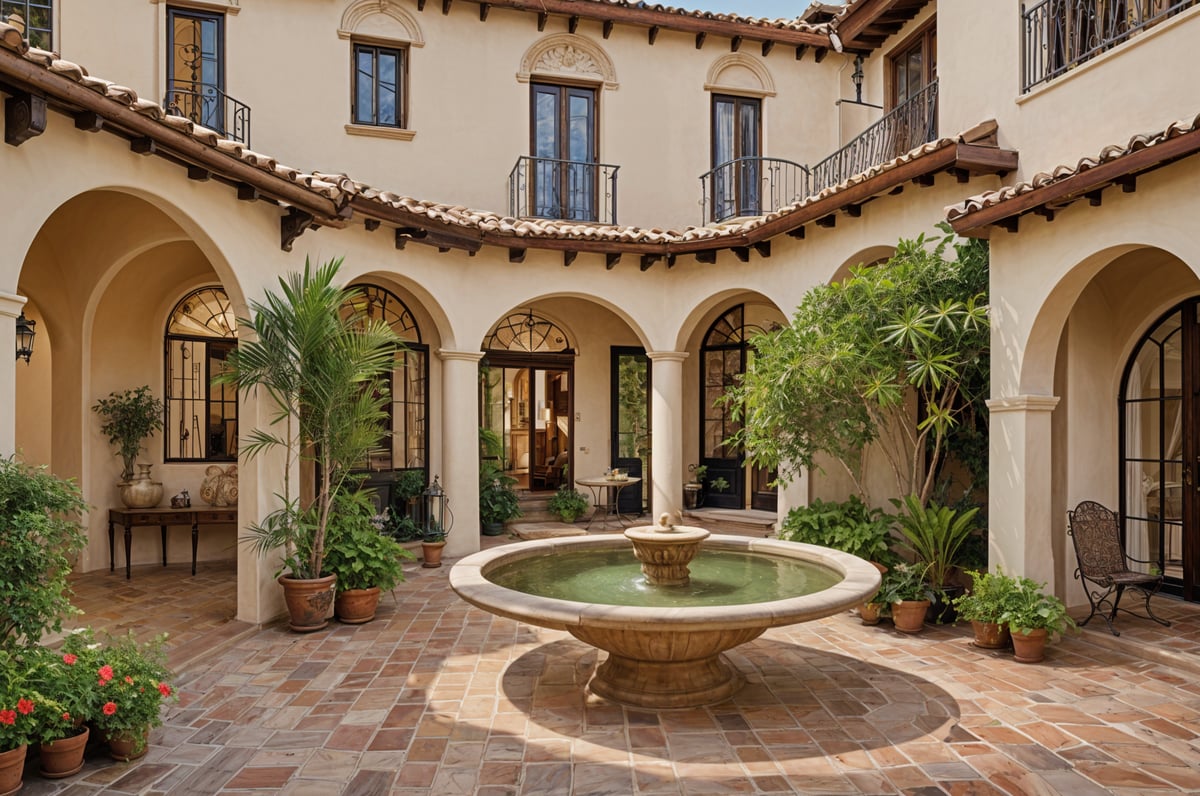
x=433, y=540
x=132, y=683
x=904, y=589
x=498, y=502
x=1032, y=616
x=365, y=561
x=984, y=604
x=568, y=503
x=935, y=535
x=693, y=491
x=68, y=676
x=128, y=418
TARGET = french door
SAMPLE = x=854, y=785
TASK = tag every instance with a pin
x=736, y=141
x=1160, y=450
x=196, y=66
x=527, y=407
x=630, y=423
x=563, y=131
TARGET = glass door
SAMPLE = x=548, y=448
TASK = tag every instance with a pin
x=196, y=66
x=630, y=423
x=563, y=172
x=526, y=417
x=736, y=140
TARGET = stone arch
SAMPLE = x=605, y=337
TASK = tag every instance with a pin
x=867, y=256
x=380, y=19
x=739, y=73
x=568, y=55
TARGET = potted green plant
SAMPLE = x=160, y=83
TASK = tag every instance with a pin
x=41, y=534
x=324, y=364
x=133, y=681
x=1032, y=616
x=904, y=590
x=498, y=502
x=130, y=417
x=935, y=535
x=989, y=597
x=21, y=712
x=366, y=562
x=568, y=503
x=68, y=677
x=693, y=490
x=850, y=526
x=433, y=541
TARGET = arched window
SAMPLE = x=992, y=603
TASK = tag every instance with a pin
x=527, y=333
x=201, y=422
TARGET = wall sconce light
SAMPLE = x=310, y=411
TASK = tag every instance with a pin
x=25, y=335
x=857, y=77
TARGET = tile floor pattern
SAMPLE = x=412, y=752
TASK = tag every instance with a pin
x=437, y=697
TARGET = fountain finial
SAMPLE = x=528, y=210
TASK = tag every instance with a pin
x=664, y=521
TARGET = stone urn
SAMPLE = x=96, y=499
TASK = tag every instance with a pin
x=140, y=492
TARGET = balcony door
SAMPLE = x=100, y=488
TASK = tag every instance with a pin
x=563, y=132
x=196, y=66
x=736, y=145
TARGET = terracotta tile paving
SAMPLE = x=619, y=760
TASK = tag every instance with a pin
x=436, y=697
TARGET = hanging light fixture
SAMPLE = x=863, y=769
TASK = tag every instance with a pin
x=25, y=335
x=857, y=77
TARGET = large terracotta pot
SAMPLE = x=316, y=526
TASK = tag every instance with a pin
x=12, y=766
x=990, y=635
x=63, y=757
x=140, y=492
x=1029, y=647
x=309, y=601
x=909, y=615
x=356, y=606
x=432, y=553
x=128, y=744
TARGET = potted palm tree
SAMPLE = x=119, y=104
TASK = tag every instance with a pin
x=935, y=535
x=324, y=366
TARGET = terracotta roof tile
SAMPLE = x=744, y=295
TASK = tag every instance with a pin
x=1062, y=172
x=783, y=23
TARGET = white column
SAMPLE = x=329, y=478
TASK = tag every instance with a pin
x=10, y=308
x=460, y=447
x=1020, y=486
x=666, y=444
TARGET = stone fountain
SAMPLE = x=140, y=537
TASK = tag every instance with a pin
x=665, y=616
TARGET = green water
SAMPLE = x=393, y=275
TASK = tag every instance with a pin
x=614, y=577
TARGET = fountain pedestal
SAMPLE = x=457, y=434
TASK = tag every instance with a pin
x=665, y=551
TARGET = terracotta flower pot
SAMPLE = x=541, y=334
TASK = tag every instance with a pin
x=909, y=615
x=990, y=635
x=12, y=766
x=432, y=553
x=1029, y=647
x=309, y=601
x=356, y=606
x=63, y=757
x=869, y=613
x=127, y=745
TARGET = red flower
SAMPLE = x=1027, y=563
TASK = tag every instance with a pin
x=128, y=679
x=106, y=673
x=69, y=659
x=66, y=717
x=109, y=708
x=8, y=717
x=164, y=689
x=24, y=706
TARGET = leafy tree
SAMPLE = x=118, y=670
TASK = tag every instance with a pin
x=842, y=377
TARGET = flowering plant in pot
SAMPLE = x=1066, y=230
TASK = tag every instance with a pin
x=22, y=711
x=68, y=677
x=132, y=682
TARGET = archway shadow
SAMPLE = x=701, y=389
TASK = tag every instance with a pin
x=804, y=702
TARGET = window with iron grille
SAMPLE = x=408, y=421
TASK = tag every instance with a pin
x=380, y=86
x=201, y=422
x=34, y=17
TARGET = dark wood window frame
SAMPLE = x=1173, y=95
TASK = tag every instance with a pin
x=401, y=53
x=924, y=38
x=199, y=350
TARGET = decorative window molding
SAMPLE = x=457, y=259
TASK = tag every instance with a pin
x=565, y=55
x=372, y=131
x=739, y=73
x=229, y=7
x=382, y=20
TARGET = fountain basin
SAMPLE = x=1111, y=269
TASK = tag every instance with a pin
x=663, y=657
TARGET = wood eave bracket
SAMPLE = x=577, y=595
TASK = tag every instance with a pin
x=292, y=226
x=24, y=117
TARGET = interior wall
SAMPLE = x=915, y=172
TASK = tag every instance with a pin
x=35, y=421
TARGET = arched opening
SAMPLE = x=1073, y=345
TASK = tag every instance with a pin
x=201, y=416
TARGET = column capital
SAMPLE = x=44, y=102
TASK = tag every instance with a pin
x=11, y=304
x=465, y=356
x=667, y=356
x=1023, y=403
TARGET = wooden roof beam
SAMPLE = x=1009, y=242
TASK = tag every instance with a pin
x=862, y=15
x=652, y=34
x=607, y=28
x=484, y=8
x=611, y=259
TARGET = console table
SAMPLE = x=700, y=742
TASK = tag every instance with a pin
x=162, y=517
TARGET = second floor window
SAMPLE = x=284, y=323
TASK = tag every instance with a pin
x=201, y=422
x=913, y=66
x=379, y=85
x=563, y=144
x=737, y=147
x=34, y=18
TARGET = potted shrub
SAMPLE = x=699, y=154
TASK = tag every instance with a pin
x=21, y=714
x=568, y=503
x=1032, y=615
x=132, y=683
x=935, y=536
x=850, y=526
x=693, y=491
x=68, y=677
x=498, y=502
x=365, y=561
x=128, y=418
x=905, y=591
x=324, y=364
x=983, y=606
x=39, y=526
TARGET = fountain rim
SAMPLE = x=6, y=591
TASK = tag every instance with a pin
x=468, y=578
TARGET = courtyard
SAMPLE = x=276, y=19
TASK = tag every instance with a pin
x=435, y=696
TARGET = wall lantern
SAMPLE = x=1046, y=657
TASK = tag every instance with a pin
x=435, y=500
x=25, y=335
x=857, y=77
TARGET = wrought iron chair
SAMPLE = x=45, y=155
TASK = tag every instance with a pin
x=1104, y=566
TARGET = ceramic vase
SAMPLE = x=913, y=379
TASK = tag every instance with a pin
x=309, y=601
x=141, y=492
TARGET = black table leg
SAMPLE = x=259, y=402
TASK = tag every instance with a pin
x=128, y=543
x=112, y=554
x=164, y=543
x=195, y=538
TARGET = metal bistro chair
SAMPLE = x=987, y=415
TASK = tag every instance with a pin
x=1104, y=566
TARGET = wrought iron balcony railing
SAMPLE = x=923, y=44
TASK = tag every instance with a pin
x=1060, y=34
x=563, y=189
x=905, y=127
x=751, y=186
x=208, y=105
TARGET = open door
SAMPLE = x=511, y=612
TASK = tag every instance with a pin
x=630, y=423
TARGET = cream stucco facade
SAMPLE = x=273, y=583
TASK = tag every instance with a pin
x=103, y=242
